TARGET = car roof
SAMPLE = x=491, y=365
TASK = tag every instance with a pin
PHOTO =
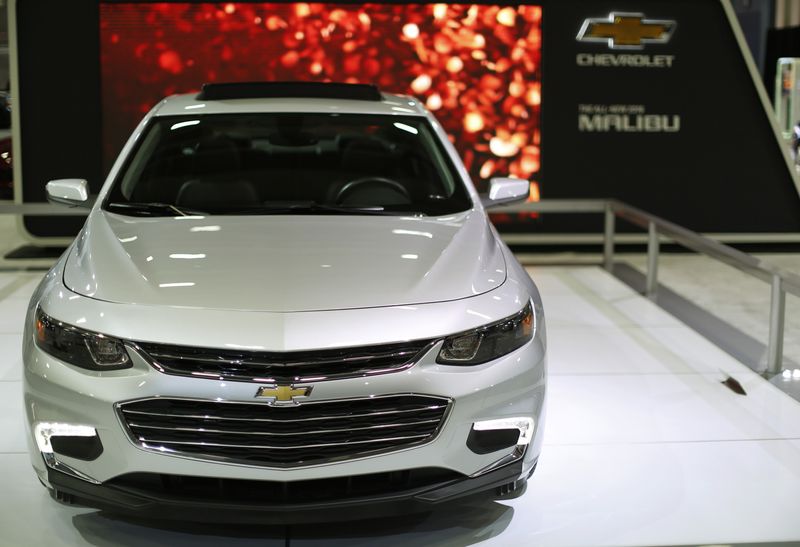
x=188, y=104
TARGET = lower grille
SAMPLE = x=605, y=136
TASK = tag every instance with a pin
x=278, y=436
x=238, y=491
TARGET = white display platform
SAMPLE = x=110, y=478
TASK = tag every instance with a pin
x=644, y=446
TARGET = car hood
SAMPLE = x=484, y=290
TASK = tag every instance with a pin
x=284, y=263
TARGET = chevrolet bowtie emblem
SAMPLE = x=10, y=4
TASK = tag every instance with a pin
x=283, y=395
x=626, y=30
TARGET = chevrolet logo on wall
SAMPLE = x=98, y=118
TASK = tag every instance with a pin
x=283, y=395
x=626, y=30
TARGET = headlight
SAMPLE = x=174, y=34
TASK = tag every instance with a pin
x=82, y=348
x=490, y=342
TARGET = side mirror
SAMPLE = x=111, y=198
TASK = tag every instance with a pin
x=503, y=191
x=72, y=192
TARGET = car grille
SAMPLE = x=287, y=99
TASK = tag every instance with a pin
x=284, y=436
x=274, y=367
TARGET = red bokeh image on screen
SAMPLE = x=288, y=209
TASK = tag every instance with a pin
x=477, y=67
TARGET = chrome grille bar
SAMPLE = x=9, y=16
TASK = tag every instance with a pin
x=317, y=418
x=297, y=366
x=273, y=447
x=216, y=360
x=317, y=432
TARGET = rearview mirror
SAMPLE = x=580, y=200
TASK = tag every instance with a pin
x=503, y=191
x=72, y=192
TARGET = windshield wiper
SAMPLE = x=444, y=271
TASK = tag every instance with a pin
x=156, y=208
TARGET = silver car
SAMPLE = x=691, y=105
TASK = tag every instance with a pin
x=287, y=302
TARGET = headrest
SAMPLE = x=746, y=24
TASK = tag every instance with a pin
x=368, y=156
x=217, y=154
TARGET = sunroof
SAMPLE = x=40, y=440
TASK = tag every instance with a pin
x=264, y=90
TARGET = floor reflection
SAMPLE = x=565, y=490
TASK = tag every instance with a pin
x=462, y=523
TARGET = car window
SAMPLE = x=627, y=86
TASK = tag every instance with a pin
x=284, y=163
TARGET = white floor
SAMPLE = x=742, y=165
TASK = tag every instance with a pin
x=644, y=446
x=734, y=296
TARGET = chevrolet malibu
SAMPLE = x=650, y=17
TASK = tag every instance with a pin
x=287, y=302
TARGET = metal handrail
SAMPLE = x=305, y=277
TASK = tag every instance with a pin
x=781, y=280
x=710, y=247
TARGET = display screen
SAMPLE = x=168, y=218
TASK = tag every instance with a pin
x=476, y=66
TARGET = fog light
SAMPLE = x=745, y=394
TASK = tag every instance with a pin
x=522, y=424
x=45, y=431
x=69, y=439
x=489, y=436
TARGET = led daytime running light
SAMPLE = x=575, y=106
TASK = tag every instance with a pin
x=44, y=431
x=523, y=424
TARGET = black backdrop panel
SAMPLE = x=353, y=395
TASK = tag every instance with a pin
x=721, y=171
x=59, y=83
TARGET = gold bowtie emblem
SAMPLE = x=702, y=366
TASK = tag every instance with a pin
x=626, y=30
x=283, y=395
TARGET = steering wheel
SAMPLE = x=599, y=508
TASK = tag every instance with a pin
x=354, y=185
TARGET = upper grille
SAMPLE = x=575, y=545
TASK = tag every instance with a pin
x=287, y=367
x=305, y=434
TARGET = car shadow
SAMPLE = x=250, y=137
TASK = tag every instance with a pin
x=464, y=522
x=461, y=523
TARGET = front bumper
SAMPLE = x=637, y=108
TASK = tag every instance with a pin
x=148, y=505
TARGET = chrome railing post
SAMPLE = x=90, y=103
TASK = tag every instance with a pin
x=777, y=316
x=608, y=238
x=652, y=260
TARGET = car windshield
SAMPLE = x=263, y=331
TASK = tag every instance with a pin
x=286, y=163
